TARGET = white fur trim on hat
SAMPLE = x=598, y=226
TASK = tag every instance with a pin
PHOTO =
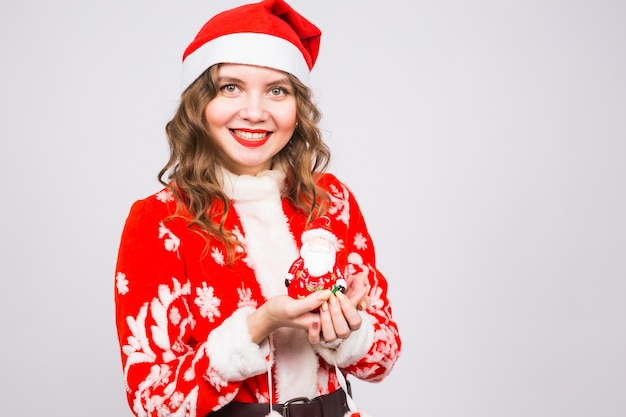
x=311, y=233
x=246, y=48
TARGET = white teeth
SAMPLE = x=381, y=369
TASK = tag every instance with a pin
x=249, y=136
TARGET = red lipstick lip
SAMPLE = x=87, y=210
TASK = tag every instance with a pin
x=252, y=130
x=250, y=143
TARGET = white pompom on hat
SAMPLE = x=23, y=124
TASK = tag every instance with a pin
x=269, y=34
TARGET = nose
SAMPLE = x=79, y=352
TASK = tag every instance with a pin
x=253, y=108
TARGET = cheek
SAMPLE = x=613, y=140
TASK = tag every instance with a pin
x=286, y=115
x=216, y=113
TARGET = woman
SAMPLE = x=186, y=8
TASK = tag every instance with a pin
x=205, y=325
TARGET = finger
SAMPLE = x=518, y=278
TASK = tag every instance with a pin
x=354, y=282
x=314, y=333
x=351, y=280
x=359, y=287
x=326, y=321
x=358, y=295
x=365, y=303
x=350, y=314
x=341, y=326
x=316, y=299
x=311, y=302
x=357, y=280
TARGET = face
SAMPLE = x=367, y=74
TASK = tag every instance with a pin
x=319, y=256
x=252, y=117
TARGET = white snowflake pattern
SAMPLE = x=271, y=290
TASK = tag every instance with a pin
x=215, y=379
x=138, y=347
x=159, y=376
x=175, y=316
x=261, y=397
x=241, y=238
x=226, y=398
x=217, y=256
x=353, y=259
x=121, y=283
x=172, y=242
x=245, y=297
x=189, y=375
x=177, y=399
x=207, y=302
x=158, y=308
x=360, y=242
x=165, y=196
x=376, y=298
x=157, y=392
x=340, y=205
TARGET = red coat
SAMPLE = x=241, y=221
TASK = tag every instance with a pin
x=181, y=310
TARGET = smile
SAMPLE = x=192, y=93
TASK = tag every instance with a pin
x=251, y=138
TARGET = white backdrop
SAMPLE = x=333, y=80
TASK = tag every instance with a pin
x=485, y=141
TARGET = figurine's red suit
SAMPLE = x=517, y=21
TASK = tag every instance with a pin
x=316, y=268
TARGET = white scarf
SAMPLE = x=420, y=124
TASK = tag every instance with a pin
x=271, y=249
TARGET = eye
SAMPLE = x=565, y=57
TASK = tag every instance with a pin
x=229, y=88
x=278, y=91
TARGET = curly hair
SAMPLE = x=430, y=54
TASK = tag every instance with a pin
x=192, y=171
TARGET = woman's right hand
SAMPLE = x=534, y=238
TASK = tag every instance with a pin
x=285, y=311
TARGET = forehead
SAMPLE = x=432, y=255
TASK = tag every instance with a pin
x=251, y=72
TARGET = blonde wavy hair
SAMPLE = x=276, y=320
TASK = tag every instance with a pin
x=192, y=171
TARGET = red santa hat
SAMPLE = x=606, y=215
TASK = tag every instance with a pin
x=269, y=34
x=320, y=227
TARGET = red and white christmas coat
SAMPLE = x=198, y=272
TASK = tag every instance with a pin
x=181, y=310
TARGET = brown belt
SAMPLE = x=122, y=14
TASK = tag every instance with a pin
x=329, y=405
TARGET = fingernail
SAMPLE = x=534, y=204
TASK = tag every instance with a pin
x=324, y=294
x=340, y=296
x=325, y=306
x=363, y=305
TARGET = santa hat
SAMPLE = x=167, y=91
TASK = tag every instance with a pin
x=320, y=227
x=269, y=34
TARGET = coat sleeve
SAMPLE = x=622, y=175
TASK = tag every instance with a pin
x=166, y=371
x=371, y=352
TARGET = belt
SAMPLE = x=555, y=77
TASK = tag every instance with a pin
x=329, y=405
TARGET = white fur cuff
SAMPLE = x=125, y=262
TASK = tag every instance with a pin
x=231, y=350
x=353, y=348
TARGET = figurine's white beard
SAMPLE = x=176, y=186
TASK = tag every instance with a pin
x=318, y=259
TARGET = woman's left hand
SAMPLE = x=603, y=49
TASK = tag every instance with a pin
x=339, y=316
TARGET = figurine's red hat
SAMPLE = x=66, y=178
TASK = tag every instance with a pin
x=320, y=227
x=269, y=34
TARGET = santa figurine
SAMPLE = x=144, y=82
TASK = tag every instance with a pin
x=316, y=269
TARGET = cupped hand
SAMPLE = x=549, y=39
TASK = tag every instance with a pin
x=339, y=316
x=285, y=311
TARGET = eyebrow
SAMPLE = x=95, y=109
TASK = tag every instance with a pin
x=234, y=80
